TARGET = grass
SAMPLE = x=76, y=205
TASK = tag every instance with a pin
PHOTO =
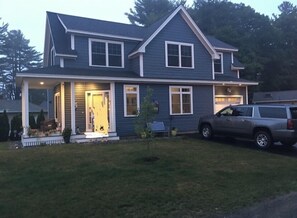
x=192, y=178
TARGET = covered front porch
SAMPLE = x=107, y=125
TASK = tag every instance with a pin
x=86, y=107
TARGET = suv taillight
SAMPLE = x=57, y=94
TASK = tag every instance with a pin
x=290, y=124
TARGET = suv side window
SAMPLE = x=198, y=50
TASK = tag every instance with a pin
x=293, y=112
x=273, y=112
x=242, y=111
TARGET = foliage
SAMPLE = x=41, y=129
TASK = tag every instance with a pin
x=17, y=56
x=16, y=128
x=32, y=122
x=147, y=12
x=4, y=127
x=191, y=179
x=66, y=135
x=40, y=119
x=146, y=115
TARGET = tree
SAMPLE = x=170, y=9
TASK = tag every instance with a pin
x=3, y=65
x=16, y=127
x=18, y=56
x=146, y=115
x=146, y=12
x=4, y=127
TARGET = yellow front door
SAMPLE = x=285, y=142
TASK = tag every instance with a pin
x=100, y=113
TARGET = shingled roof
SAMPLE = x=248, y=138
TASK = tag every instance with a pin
x=62, y=23
x=15, y=106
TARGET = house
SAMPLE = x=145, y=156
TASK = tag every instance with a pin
x=14, y=107
x=275, y=97
x=99, y=72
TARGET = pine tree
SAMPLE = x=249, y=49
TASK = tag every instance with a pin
x=4, y=127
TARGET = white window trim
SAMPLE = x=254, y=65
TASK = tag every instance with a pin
x=125, y=98
x=170, y=101
x=53, y=54
x=57, y=97
x=106, y=54
x=222, y=64
x=179, y=50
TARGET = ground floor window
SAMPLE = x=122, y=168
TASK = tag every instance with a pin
x=57, y=107
x=181, y=100
x=131, y=100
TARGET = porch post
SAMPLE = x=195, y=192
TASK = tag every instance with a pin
x=25, y=107
x=113, y=112
x=62, y=106
x=72, y=104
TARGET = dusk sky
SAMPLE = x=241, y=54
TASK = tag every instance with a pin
x=29, y=16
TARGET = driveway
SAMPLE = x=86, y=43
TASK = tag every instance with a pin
x=280, y=207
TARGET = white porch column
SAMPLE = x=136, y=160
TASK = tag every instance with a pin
x=112, y=109
x=25, y=107
x=72, y=104
x=62, y=106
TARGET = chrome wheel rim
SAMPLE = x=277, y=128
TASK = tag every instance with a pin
x=262, y=140
x=206, y=132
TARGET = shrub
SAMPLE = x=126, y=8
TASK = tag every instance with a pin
x=32, y=122
x=16, y=128
x=66, y=135
x=40, y=119
x=4, y=127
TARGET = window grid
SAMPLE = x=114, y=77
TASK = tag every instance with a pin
x=131, y=100
x=180, y=55
x=181, y=101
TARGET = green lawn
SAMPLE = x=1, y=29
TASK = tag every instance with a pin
x=192, y=178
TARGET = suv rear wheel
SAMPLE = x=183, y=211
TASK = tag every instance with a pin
x=206, y=131
x=263, y=139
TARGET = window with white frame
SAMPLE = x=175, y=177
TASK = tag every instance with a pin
x=218, y=64
x=131, y=100
x=181, y=100
x=57, y=107
x=179, y=55
x=106, y=53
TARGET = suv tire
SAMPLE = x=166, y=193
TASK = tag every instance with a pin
x=206, y=131
x=263, y=139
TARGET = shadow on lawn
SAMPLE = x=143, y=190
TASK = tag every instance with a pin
x=277, y=148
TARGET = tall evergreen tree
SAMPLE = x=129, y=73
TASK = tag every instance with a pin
x=146, y=12
x=18, y=56
x=3, y=65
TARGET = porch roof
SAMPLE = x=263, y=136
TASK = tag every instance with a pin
x=54, y=75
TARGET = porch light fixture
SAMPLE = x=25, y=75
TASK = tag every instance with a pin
x=41, y=83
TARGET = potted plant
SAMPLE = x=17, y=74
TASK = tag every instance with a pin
x=66, y=135
x=173, y=131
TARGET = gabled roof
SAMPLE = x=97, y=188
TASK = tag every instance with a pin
x=60, y=24
x=156, y=29
x=236, y=65
x=15, y=106
x=220, y=45
x=275, y=96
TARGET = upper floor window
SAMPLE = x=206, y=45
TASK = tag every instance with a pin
x=218, y=64
x=131, y=100
x=106, y=53
x=179, y=55
x=181, y=100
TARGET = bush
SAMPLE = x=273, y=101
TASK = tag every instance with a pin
x=16, y=128
x=40, y=119
x=4, y=127
x=32, y=122
x=66, y=135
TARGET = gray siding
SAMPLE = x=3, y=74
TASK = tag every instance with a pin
x=202, y=102
x=67, y=105
x=178, y=31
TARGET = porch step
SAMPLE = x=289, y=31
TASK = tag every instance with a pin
x=94, y=137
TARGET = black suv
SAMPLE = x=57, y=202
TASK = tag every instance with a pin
x=265, y=124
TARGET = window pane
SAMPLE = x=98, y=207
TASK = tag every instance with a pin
x=175, y=89
x=131, y=89
x=186, y=103
x=173, y=55
x=98, y=53
x=186, y=56
x=218, y=65
x=131, y=102
x=115, y=55
x=175, y=100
